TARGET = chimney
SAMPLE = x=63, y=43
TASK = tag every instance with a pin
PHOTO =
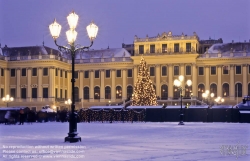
x=232, y=41
x=245, y=41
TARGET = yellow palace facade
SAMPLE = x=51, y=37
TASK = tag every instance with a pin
x=37, y=76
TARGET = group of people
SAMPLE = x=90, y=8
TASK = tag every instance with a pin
x=11, y=117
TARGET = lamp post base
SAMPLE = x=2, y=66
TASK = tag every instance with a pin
x=181, y=120
x=181, y=123
x=72, y=138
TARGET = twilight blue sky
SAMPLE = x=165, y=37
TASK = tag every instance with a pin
x=25, y=22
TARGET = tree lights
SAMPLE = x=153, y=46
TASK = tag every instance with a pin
x=144, y=93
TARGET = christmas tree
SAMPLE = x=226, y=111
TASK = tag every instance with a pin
x=144, y=93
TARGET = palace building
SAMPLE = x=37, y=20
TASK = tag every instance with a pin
x=37, y=76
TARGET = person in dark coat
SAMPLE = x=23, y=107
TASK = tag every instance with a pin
x=21, y=116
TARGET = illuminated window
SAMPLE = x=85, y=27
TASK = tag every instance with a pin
x=164, y=92
x=164, y=48
x=97, y=92
x=118, y=92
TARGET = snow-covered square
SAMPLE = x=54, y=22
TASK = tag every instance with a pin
x=159, y=141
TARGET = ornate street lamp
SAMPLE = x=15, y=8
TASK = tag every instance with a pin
x=206, y=96
x=68, y=102
x=7, y=99
x=179, y=84
x=219, y=100
x=71, y=34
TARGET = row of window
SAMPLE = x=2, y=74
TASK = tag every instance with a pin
x=164, y=70
x=164, y=48
x=225, y=90
x=164, y=91
x=86, y=73
x=225, y=70
x=107, y=73
x=24, y=93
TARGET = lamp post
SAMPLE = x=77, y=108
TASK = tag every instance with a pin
x=178, y=83
x=7, y=99
x=72, y=48
x=219, y=100
x=206, y=96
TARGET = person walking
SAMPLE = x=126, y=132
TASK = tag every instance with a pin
x=7, y=117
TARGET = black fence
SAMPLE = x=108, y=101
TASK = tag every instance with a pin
x=138, y=115
x=199, y=115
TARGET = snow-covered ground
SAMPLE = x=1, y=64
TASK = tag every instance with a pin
x=126, y=142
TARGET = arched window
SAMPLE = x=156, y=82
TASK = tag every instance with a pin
x=97, y=92
x=238, y=90
x=76, y=94
x=118, y=92
x=86, y=93
x=225, y=89
x=176, y=92
x=188, y=91
x=107, y=92
x=213, y=89
x=201, y=89
x=164, y=92
x=129, y=91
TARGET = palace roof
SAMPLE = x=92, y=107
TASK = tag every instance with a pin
x=229, y=47
x=29, y=50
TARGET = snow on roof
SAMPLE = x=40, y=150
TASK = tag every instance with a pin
x=29, y=50
x=104, y=53
x=229, y=47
